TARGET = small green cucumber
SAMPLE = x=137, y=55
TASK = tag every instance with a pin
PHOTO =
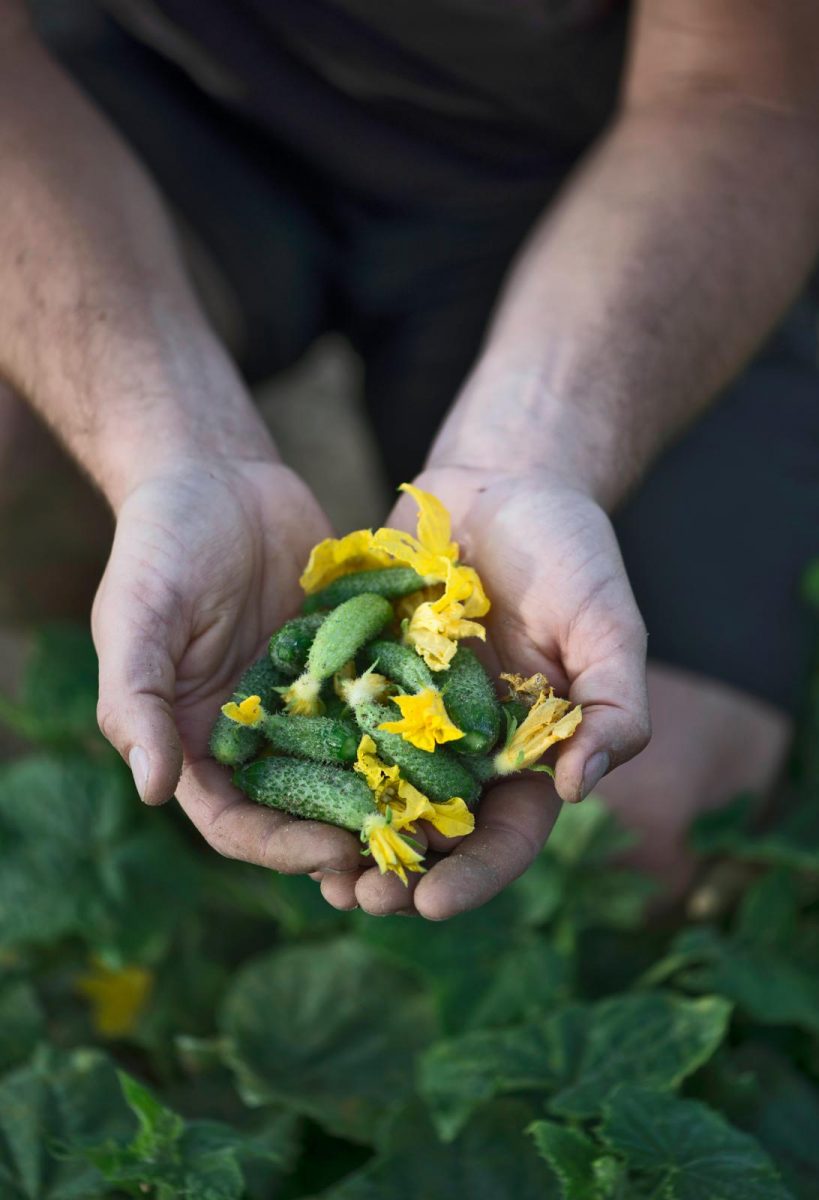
x=231, y=743
x=439, y=775
x=322, y=739
x=384, y=581
x=399, y=663
x=308, y=789
x=470, y=700
x=290, y=645
x=345, y=631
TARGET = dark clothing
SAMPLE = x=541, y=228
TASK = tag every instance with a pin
x=391, y=214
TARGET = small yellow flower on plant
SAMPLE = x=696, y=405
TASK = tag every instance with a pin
x=117, y=996
x=249, y=712
x=424, y=720
x=391, y=851
x=549, y=720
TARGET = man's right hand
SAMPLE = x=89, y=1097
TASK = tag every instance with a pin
x=204, y=565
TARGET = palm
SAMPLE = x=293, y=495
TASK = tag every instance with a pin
x=561, y=605
x=204, y=566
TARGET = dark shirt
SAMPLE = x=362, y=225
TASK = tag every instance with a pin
x=418, y=92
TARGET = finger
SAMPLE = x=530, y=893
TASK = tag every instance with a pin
x=616, y=724
x=381, y=895
x=514, y=820
x=237, y=828
x=339, y=890
x=135, y=636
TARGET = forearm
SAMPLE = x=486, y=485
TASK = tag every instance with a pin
x=666, y=262
x=98, y=326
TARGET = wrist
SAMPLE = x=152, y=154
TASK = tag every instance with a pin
x=511, y=420
x=133, y=405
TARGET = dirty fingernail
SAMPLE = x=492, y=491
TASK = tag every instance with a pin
x=595, y=769
x=140, y=767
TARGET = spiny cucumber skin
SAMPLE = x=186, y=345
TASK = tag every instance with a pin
x=470, y=700
x=231, y=743
x=438, y=775
x=399, y=663
x=321, y=739
x=384, y=581
x=345, y=631
x=308, y=789
x=289, y=646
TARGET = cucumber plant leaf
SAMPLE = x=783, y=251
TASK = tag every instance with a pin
x=492, y=1159
x=685, y=1150
x=328, y=1030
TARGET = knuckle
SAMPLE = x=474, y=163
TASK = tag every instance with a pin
x=107, y=720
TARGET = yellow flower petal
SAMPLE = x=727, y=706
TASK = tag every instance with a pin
x=434, y=529
x=335, y=557
x=434, y=631
x=548, y=721
x=117, y=997
x=377, y=775
x=424, y=721
x=452, y=819
x=249, y=712
x=528, y=690
x=390, y=850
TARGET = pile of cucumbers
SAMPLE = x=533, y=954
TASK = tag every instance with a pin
x=302, y=764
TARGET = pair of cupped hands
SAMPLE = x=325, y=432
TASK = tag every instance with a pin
x=205, y=564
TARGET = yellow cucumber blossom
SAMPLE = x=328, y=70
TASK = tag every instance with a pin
x=436, y=626
x=334, y=557
x=407, y=803
x=249, y=712
x=526, y=690
x=301, y=699
x=424, y=720
x=391, y=851
x=117, y=997
x=431, y=552
x=549, y=720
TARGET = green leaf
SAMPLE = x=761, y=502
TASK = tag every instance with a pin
x=329, y=1030
x=687, y=1151
x=491, y=1160
x=22, y=1023
x=533, y=977
x=785, y=1117
x=159, y=1128
x=460, y=960
x=579, y=1055
x=458, y=1075
x=196, y=1160
x=57, y=1101
x=587, y=833
x=792, y=842
x=572, y=1155
x=58, y=699
x=74, y=860
x=768, y=971
x=654, y=1039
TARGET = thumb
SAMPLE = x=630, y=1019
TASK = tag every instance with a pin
x=133, y=629
x=616, y=723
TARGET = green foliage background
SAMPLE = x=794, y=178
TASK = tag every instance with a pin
x=555, y=1044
